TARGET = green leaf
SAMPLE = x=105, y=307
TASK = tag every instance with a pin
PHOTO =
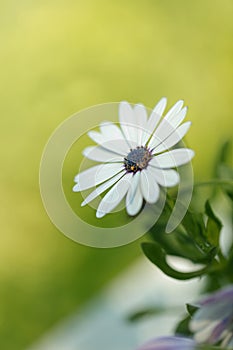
x=195, y=227
x=224, y=169
x=157, y=256
x=182, y=327
x=205, y=237
x=187, y=241
x=213, y=226
x=191, y=309
x=145, y=313
x=179, y=244
x=211, y=214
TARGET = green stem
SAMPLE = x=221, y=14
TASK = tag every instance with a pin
x=213, y=182
x=216, y=182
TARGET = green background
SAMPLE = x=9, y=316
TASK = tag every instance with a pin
x=58, y=57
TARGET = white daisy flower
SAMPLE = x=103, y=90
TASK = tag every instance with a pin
x=135, y=157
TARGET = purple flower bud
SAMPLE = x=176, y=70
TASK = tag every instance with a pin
x=170, y=343
x=212, y=323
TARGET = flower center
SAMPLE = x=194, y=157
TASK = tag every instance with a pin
x=137, y=159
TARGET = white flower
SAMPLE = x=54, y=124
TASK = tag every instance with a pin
x=135, y=157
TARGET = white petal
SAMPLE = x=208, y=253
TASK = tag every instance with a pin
x=160, y=107
x=166, y=178
x=204, y=334
x=175, y=109
x=154, y=119
x=197, y=325
x=118, y=146
x=173, y=158
x=134, y=197
x=108, y=128
x=102, y=188
x=111, y=131
x=133, y=187
x=95, y=175
x=114, y=196
x=163, y=131
x=136, y=204
x=141, y=118
x=149, y=187
x=168, y=125
x=176, y=119
x=96, y=136
x=100, y=154
x=173, y=139
x=128, y=123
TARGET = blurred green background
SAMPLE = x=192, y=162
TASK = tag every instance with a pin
x=58, y=57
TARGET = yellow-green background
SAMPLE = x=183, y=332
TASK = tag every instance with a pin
x=57, y=57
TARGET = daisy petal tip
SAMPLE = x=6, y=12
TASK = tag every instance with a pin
x=162, y=103
x=91, y=134
x=192, y=153
x=129, y=212
x=100, y=214
x=163, y=100
x=180, y=103
x=138, y=105
x=153, y=201
x=83, y=203
x=88, y=151
x=123, y=104
x=85, y=152
x=105, y=123
x=76, y=188
x=186, y=126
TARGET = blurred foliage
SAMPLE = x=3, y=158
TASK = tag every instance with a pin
x=197, y=237
x=58, y=57
x=194, y=240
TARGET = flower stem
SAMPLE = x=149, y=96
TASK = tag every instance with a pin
x=216, y=182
